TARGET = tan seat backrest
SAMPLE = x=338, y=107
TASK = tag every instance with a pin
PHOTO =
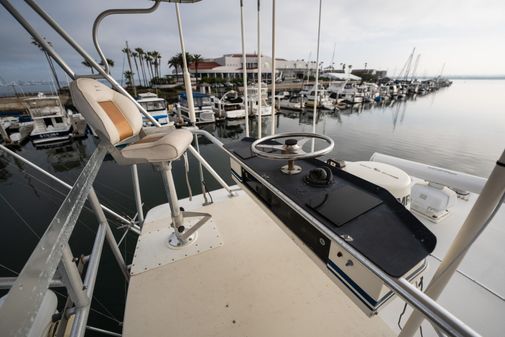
x=110, y=113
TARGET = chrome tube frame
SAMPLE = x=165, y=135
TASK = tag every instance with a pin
x=109, y=12
x=18, y=312
x=209, y=168
x=100, y=215
x=72, y=279
x=81, y=314
x=8, y=282
x=137, y=194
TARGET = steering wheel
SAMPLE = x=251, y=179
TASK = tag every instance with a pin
x=291, y=149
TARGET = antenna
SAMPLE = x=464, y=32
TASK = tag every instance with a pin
x=442, y=70
x=260, y=96
x=406, y=66
x=333, y=55
x=412, y=76
x=409, y=64
x=244, y=68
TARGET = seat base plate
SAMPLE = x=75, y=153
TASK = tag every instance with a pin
x=157, y=251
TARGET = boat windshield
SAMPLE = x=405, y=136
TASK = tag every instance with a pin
x=200, y=101
x=154, y=105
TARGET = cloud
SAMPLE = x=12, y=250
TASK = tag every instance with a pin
x=467, y=35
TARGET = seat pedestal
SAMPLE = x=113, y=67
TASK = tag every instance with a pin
x=181, y=234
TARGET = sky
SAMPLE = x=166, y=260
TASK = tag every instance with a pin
x=467, y=35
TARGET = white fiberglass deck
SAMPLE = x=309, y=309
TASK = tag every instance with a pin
x=259, y=283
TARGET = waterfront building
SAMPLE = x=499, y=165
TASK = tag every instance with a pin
x=230, y=66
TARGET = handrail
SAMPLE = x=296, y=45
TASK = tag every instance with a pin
x=17, y=314
x=108, y=12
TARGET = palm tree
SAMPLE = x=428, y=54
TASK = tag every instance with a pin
x=197, y=58
x=147, y=57
x=174, y=63
x=129, y=78
x=156, y=62
x=140, y=53
x=49, y=61
x=109, y=62
x=135, y=55
x=87, y=64
x=128, y=53
x=151, y=60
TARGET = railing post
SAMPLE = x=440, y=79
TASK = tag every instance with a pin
x=72, y=279
x=136, y=193
x=100, y=215
x=17, y=313
x=81, y=315
x=200, y=173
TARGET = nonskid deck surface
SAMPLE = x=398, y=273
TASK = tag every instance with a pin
x=259, y=283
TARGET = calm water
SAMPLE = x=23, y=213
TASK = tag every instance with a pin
x=461, y=127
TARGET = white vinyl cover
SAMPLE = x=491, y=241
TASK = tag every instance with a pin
x=87, y=94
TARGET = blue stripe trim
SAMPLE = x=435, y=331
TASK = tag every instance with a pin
x=157, y=117
x=233, y=173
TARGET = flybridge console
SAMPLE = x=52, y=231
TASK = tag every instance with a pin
x=311, y=195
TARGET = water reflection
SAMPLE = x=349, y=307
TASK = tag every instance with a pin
x=66, y=157
x=4, y=172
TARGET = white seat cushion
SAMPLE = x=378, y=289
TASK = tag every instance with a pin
x=110, y=113
x=159, y=147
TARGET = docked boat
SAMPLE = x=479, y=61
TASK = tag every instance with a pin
x=203, y=108
x=254, y=99
x=351, y=94
x=155, y=106
x=323, y=99
x=51, y=122
x=302, y=244
x=16, y=130
x=292, y=102
x=229, y=106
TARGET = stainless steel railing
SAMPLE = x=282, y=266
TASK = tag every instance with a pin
x=18, y=312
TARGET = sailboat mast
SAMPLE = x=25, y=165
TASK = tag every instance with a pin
x=409, y=64
x=273, y=69
x=442, y=70
x=187, y=78
x=244, y=68
x=258, y=106
x=412, y=76
x=316, y=98
x=333, y=56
